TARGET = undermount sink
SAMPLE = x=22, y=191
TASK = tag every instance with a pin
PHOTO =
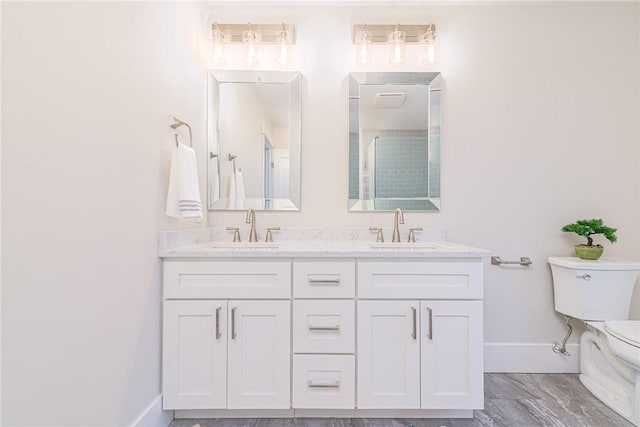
x=410, y=246
x=245, y=246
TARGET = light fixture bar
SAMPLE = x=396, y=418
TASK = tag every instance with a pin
x=380, y=33
x=269, y=33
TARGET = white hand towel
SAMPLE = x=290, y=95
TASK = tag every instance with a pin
x=183, y=196
x=232, y=187
x=214, y=183
x=239, y=185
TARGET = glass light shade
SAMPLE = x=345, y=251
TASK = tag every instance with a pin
x=397, y=53
x=431, y=49
x=284, y=54
x=250, y=48
x=217, y=51
x=363, y=48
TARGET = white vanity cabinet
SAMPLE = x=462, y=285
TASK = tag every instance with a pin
x=324, y=334
x=451, y=359
x=194, y=363
x=226, y=353
x=388, y=354
x=321, y=335
x=419, y=353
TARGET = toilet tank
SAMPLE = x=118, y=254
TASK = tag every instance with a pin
x=593, y=290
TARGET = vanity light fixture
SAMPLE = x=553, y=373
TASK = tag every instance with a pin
x=250, y=49
x=363, y=46
x=217, y=40
x=253, y=37
x=283, y=47
x=397, y=37
x=397, y=41
x=431, y=54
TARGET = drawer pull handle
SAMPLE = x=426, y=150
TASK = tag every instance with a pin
x=320, y=385
x=318, y=281
x=233, y=323
x=218, y=335
x=430, y=334
x=414, y=334
x=324, y=328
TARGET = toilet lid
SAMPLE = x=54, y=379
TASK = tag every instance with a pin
x=625, y=330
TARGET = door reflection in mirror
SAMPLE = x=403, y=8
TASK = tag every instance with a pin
x=256, y=116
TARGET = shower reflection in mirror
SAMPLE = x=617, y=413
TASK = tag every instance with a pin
x=394, y=141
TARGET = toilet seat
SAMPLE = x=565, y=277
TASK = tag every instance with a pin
x=627, y=331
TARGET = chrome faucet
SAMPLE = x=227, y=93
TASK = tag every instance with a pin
x=251, y=219
x=398, y=215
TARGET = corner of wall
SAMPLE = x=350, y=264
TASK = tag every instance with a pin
x=154, y=416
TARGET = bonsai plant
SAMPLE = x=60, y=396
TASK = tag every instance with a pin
x=587, y=228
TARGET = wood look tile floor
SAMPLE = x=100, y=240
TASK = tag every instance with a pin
x=511, y=400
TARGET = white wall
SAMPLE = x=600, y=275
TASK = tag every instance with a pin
x=1, y=275
x=540, y=127
x=87, y=89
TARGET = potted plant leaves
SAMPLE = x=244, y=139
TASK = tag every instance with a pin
x=587, y=228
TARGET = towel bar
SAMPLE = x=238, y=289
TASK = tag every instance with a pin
x=524, y=260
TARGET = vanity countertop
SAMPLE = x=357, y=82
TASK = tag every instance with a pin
x=325, y=243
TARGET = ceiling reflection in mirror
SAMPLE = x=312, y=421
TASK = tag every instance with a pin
x=394, y=141
x=254, y=140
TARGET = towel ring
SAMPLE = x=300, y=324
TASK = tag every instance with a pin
x=175, y=124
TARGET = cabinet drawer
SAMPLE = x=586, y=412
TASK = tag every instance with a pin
x=270, y=279
x=324, y=381
x=323, y=326
x=419, y=279
x=324, y=279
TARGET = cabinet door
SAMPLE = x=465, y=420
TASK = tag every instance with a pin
x=194, y=368
x=388, y=355
x=452, y=355
x=259, y=354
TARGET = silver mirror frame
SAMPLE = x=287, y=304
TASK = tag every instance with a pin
x=433, y=82
x=215, y=156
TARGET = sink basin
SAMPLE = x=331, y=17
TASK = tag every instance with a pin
x=245, y=246
x=410, y=246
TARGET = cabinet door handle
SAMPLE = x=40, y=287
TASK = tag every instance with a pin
x=430, y=334
x=218, y=335
x=414, y=334
x=333, y=385
x=324, y=328
x=319, y=281
x=233, y=323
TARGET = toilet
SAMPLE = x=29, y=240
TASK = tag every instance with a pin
x=599, y=294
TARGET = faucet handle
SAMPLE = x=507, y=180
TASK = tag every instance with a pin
x=412, y=234
x=379, y=236
x=269, y=237
x=236, y=233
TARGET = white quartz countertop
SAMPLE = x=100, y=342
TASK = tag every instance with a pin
x=328, y=249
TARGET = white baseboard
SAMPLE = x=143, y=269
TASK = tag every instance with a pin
x=530, y=358
x=234, y=413
x=324, y=413
x=154, y=415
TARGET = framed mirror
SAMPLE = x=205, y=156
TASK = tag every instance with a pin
x=394, y=141
x=253, y=140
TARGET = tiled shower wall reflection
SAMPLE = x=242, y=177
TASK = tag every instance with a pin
x=354, y=159
x=434, y=162
x=401, y=166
